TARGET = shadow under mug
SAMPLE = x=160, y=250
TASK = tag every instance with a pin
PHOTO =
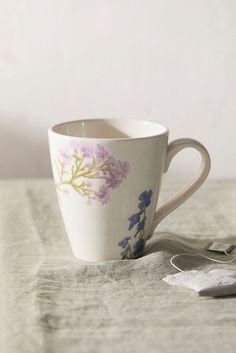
x=108, y=176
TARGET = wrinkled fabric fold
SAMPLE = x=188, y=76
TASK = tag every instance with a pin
x=53, y=302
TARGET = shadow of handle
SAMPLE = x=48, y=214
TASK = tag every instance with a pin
x=173, y=148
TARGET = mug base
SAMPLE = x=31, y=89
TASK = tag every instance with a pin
x=94, y=259
x=103, y=259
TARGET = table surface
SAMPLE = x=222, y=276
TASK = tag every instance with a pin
x=52, y=302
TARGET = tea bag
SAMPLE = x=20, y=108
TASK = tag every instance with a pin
x=212, y=280
x=208, y=281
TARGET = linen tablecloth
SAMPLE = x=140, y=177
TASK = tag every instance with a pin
x=52, y=302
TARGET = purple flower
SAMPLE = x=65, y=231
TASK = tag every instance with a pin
x=141, y=225
x=86, y=149
x=123, y=168
x=124, y=242
x=66, y=158
x=138, y=219
x=102, y=195
x=145, y=198
x=134, y=219
x=118, y=171
x=111, y=161
x=138, y=246
x=113, y=179
x=101, y=152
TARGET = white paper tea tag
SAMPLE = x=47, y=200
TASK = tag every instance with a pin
x=220, y=247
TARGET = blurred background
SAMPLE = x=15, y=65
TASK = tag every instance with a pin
x=168, y=61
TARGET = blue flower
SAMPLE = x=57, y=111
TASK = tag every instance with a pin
x=141, y=225
x=124, y=242
x=138, y=220
x=134, y=219
x=145, y=198
x=138, y=247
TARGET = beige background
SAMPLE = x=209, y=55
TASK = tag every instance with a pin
x=167, y=61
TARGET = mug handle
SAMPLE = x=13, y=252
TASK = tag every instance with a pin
x=173, y=148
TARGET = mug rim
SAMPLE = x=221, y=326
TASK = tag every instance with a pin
x=165, y=130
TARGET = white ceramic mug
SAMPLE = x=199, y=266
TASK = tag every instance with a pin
x=108, y=176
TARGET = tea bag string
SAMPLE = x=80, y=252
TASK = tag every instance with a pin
x=201, y=255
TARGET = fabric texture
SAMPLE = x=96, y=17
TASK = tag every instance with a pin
x=52, y=302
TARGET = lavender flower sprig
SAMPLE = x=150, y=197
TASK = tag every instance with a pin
x=137, y=219
x=85, y=163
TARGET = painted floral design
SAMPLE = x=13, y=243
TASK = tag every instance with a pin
x=132, y=245
x=91, y=171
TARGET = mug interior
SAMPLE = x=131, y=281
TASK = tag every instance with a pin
x=109, y=129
